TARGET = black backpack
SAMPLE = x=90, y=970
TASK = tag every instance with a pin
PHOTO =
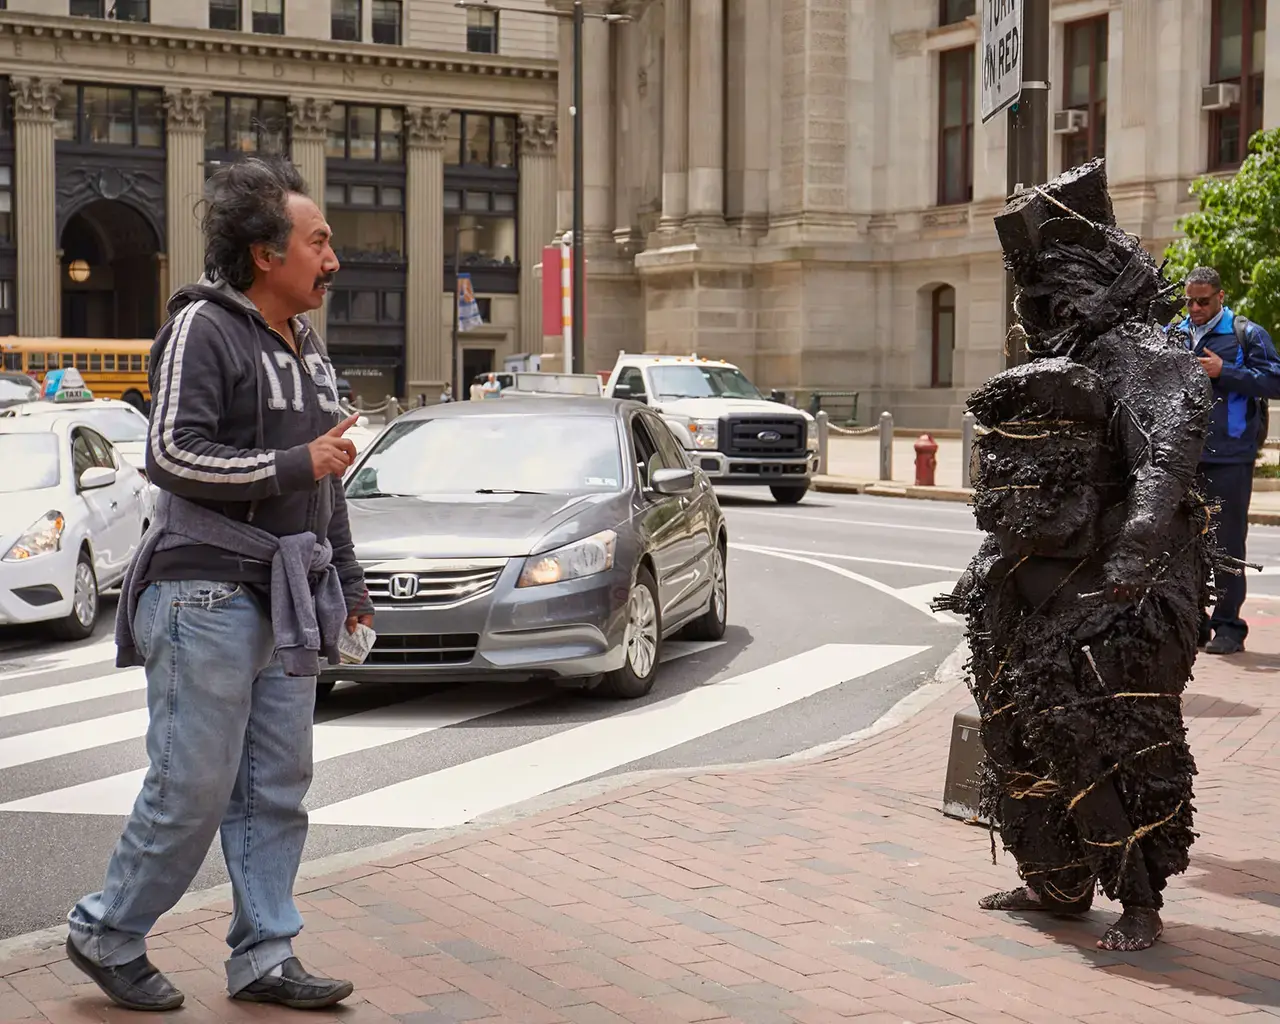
x=1242, y=326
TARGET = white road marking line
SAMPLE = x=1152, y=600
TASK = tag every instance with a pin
x=469, y=790
x=916, y=601
x=855, y=558
x=878, y=524
x=72, y=693
x=364, y=731
x=673, y=649
x=76, y=657
x=59, y=740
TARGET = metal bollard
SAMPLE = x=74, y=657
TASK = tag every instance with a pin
x=824, y=440
x=966, y=449
x=886, y=445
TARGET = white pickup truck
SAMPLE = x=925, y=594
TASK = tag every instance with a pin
x=729, y=429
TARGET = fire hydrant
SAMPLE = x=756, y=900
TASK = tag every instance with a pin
x=926, y=460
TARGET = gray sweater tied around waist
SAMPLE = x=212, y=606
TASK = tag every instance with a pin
x=307, y=617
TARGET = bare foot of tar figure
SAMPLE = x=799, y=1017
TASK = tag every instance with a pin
x=1083, y=603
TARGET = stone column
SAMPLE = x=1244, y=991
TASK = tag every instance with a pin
x=309, y=128
x=747, y=114
x=428, y=359
x=35, y=184
x=184, y=184
x=675, y=113
x=537, y=218
x=597, y=133
x=706, y=111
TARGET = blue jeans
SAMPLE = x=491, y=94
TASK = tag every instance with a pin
x=229, y=742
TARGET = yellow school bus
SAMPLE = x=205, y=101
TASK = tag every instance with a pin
x=111, y=368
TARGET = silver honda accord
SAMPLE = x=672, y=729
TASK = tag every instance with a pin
x=559, y=538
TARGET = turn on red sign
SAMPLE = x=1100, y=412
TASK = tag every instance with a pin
x=1001, y=55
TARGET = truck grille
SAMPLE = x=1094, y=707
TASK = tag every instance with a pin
x=433, y=587
x=742, y=436
x=423, y=649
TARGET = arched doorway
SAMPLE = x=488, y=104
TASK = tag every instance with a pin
x=113, y=289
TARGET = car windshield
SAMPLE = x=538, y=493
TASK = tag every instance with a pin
x=30, y=462
x=694, y=381
x=17, y=389
x=496, y=453
x=119, y=426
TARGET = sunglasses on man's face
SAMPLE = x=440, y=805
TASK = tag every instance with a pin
x=1206, y=302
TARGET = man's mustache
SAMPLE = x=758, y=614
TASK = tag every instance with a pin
x=324, y=280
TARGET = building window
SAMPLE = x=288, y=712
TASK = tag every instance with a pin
x=268, y=17
x=104, y=115
x=1237, y=58
x=6, y=204
x=88, y=8
x=224, y=14
x=481, y=226
x=367, y=222
x=6, y=108
x=955, y=127
x=1085, y=88
x=388, y=17
x=943, y=335
x=132, y=10
x=482, y=31
x=7, y=291
x=344, y=21
x=954, y=11
x=366, y=306
x=246, y=124
x=366, y=133
x=481, y=140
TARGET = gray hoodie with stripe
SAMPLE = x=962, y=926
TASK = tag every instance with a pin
x=233, y=408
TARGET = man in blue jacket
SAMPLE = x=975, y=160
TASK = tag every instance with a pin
x=1242, y=363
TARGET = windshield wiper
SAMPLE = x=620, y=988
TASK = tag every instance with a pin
x=505, y=490
x=378, y=494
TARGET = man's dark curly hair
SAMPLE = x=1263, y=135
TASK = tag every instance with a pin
x=246, y=204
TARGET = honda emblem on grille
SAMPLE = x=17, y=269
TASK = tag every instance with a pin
x=768, y=435
x=404, y=586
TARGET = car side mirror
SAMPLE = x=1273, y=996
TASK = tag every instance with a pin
x=96, y=477
x=672, y=481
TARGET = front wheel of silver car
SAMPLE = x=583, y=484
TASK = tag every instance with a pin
x=643, y=642
x=79, y=625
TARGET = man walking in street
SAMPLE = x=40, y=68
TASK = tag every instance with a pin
x=245, y=580
x=1242, y=363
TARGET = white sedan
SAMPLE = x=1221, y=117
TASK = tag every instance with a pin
x=117, y=421
x=72, y=514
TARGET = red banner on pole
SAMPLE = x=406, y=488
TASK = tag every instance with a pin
x=551, y=305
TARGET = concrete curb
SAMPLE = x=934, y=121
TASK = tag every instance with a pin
x=890, y=489
x=311, y=874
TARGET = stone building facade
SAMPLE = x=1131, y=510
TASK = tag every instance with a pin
x=805, y=186
x=418, y=126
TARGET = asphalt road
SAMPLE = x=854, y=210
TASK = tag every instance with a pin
x=829, y=629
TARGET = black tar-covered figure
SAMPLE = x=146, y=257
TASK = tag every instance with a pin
x=1084, y=601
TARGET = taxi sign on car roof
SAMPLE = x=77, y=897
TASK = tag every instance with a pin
x=66, y=385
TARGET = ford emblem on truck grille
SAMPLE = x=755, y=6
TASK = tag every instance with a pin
x=768, y=435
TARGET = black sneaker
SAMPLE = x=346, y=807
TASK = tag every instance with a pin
x=1223, y=645
x=136, y=985
x=296, y=989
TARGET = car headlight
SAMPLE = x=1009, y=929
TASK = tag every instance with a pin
x=813, y=432
x=42, y=537
x=584, y=557
x=694, y=433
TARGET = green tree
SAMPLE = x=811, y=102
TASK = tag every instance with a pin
x=1237, y=232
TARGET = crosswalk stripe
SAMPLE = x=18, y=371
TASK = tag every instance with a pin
x=97, y=652
x=456, y=795
x=72, y=693
x=60, y=740
x=349, y=735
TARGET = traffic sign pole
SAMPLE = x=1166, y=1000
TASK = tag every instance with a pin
x=1028, y=128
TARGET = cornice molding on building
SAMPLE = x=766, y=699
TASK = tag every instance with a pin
x=538, y=134
x=309, y=118
x=35, y=99
x=426, y=127
x=186, y=109
x=290, y=48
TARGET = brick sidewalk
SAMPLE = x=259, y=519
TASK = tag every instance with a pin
x=811, y=892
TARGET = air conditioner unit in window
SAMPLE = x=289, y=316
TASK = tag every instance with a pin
x=1219, y=96
x=1068, y=122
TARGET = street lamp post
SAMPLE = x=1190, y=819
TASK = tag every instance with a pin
x=578, y=15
